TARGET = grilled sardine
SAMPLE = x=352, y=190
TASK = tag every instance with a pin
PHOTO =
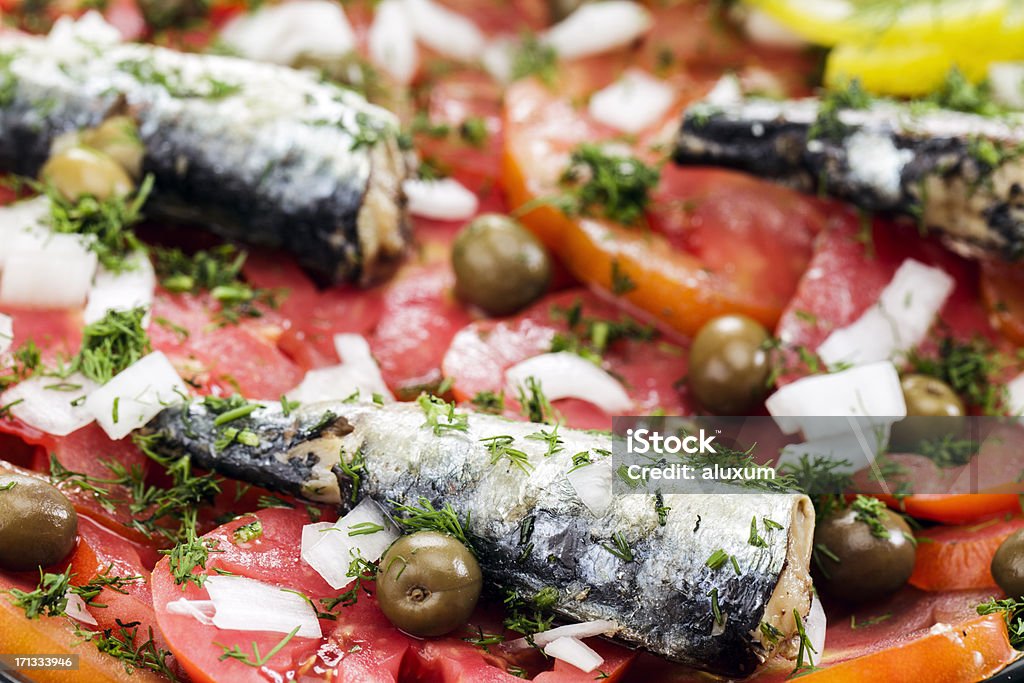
x=646, y=571
x=255, y=152
x=960, y=174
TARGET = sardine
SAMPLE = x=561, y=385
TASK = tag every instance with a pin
x=258, y=153
x=959, y=174
x=648, y=573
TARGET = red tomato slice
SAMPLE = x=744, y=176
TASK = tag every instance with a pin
x=481, y=353
x=952, y=558
x=52, y=331
x=1002, y=285
x=360, y=646
x=956, y=508
x=419, y=318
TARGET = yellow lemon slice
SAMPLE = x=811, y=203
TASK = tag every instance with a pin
x=900, y=70
x=961, y=23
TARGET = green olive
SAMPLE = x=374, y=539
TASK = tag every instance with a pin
x=428, y=584
x=499, y=265
x=729, y=365
x=1008, y=565
x=38, y=525
x=857, y=563
x=934, y=410
x=79, y=171
x=118, y=138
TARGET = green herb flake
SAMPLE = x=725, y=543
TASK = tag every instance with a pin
x=247, y=533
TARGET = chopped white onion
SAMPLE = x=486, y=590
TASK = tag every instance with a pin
x=364, y=532
x=871, y=390
x=24, y=216
x=1015, y=395
x=122, y=291
x=897, y=322
x=77, y=609
x=598, y=27
x=566, y=375
x=727, y=90
x=444, y=199
x=814, y=627
x=498, y=57
x=593, y=484
x=762, y=29
x=357, y=373
x=1006, y=80
x=200, y=610
x=574, y=651
x=6, y=332
x=136, y=394
x=282, y=33
x=50, y=404
x=243, y=604
x=445, y=31
x=632, y=103
x=858, y=444
x=91, y=28
x=392, y=42
x=586, y=629
x=47, y=270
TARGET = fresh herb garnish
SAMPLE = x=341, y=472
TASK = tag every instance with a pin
x=352, y=468
x=755, y=539
x=871, y=511
x=489, y=402
x=534, y=58
x=500, y=447
x=551, y=438
x=828, y=124
x=534, y=405
x=254, y=659
x=619, y=547
x=805, y=649
x=425, y=517
x=969, y=368
x=607, y=184
x=822, y=478
x=111, y=344
x=716, y=610
x=528, y=616
x=190, y=554
x=49, y=598
x=122, y=644
x=248, y=532
x=948, y=451
x=660, y=508
x=590, y=337
x=441, y=416
x=717, y=559
x=177, y=84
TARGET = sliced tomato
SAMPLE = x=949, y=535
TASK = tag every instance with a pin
x=1002, y=285
x=670, y=284
x=959, y=557
x=481, y=353
x=52, y=331
x=956, y=508
x=419, y=318
x=360, y=646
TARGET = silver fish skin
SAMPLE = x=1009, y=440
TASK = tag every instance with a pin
x=254, y=152
x=532, y=531
x=935, y=166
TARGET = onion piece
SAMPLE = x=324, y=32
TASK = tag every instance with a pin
x=727, y=90
x=1015, y=395
x=357, y=373
x=78, y=609
x=51, y=404
x=871, y=390
x=593, y=484
x=632, y=103
x=445, y=31
x=200, y=610
x=859, y=445
x=598, y=27
x=122, y=291
x=586, y=629
x=136, y=394
x=6, y=332
x=392, y=42
x=574, y=651
x=897, y=322
x=498, y=58
x=566, y=375
x=444, y=200
x=1006, y=80
x=243, y=604
x=91, y=29
x=814, y=628
x=27, y=215
x=364, y=532
x=762, y=29
x=47, y=270
x=282, y=33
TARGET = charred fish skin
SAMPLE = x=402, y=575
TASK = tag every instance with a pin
x=960, y=174
x=254, y=152
x=530, y=528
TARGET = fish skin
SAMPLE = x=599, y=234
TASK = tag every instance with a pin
x=660, y=600
x=939, y=181
x=254, y=152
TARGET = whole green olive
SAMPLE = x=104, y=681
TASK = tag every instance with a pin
x=857, y=561
x=729, y=366
x=79, y=171
x=499, y=265
x=934, y=410
x=118, y=138
x=428, y=583
x=38, y=525
x=1008, y=565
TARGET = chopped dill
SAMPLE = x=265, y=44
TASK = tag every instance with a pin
x=500, y=447
x=425, y=517
x=441, y=416
x=608, y=185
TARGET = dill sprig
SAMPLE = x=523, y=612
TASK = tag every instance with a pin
x=590, y=337
x=969, y=367
x=534, y=405
x=534, y=58
x=500, y=447
x=188, y=555
x=49, y=597
x=529, y=615
x=608, y=185
x=425, y=517
x=619, y=547
x=489, y=402
x=111, y=344
x=122, y=644
x=551, y=438
x=821, y=478
x=872, y=512
x=254, y=658
x=441, y=416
